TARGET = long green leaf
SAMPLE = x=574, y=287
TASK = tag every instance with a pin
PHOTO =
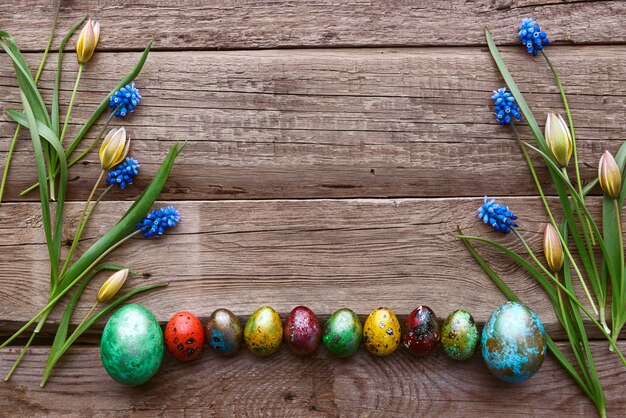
x=114, y=237
x=128, y=222
x=24, y=77
x=610, y=232
x=506, y=290
x=50, y=136
x=568, y=209
x=61, y=333
x=101, y=108
x=105, y=102
x=87, y=324
x=545, y=283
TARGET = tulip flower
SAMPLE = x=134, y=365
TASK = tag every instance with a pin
x=113, y=284
x=114, y=148
x=553, y=249
x=609, y=176
x=87, y=41
x=558, y=139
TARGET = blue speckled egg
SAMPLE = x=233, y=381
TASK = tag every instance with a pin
x=513, y=342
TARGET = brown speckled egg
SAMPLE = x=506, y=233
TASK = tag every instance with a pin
x=184, y=336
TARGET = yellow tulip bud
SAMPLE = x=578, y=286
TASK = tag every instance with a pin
x=112, y=286
x=553, y=249
x=609, y=175
x=559, y=139
x=114, y=148
x=87, y=41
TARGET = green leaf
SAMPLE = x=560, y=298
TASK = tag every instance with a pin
x=105, y=102
x=114, y=237
x=555, y=173
x=127, y=224
x=545, y=283
x=88, y=323
x=60, y=336
x=101, y=108
x=506, y=290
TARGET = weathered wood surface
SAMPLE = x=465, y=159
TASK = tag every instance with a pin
x=199, y=24
x=334, y=123
x=324, y=254
x=286, y=385
x=375, y=103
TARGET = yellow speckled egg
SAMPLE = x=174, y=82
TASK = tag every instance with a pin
x=263, y=332
x=381, y=332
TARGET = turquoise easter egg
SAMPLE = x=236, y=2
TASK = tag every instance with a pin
x=513, y=342
x=131, y=347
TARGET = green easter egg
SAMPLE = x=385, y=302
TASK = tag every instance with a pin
x=131, y=347
x=342, y=333
x=459, y=335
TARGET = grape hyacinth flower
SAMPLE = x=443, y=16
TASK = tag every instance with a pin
x=124, y=173
x=499, y=217
x=531, y=36
x=158, y=221
x=125, y=100
x=505, y=107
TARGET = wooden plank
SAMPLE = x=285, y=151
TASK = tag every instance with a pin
x=334, y=123
x=325, y=254
x=286, y=385
x=282, y=24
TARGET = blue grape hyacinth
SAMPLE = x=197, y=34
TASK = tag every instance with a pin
x=531, y=36
x=505, y=107
x=125, y=100
x=499, y=217
x=124, y=173
x=158, y=221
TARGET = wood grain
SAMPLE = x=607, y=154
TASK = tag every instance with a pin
x=290, y=24
x=334, y=123
x=286, y=385
x=324, y=254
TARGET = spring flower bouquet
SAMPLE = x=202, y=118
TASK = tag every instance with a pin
x=53, y=159
x=575, y=248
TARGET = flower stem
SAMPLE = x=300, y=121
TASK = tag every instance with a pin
x=569, y=294
x=80, y=157
x=24, y=350
x=42, y=63
x=551, y=216
x=81, y=225
x=69, y=109
x=93, y=308
x=54, y=299
x=570, y=121
x=621, y=298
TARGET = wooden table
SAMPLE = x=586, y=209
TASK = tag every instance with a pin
x=333, y=149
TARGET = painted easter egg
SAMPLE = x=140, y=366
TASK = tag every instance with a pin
x=131, y=347
x=342, y=333
x=459, y=335
x=223, y=332
x=422, y=331
x=381, y=332
x=302, y=331
x=184, y=336
x=513, y=342
x=263, y=332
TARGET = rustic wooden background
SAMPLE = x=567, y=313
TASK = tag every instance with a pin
x=333, y=149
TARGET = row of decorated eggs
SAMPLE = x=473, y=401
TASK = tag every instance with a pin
x=513, y=340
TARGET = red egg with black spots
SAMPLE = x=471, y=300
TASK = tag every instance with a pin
x=184, y=336
x=421, y=334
